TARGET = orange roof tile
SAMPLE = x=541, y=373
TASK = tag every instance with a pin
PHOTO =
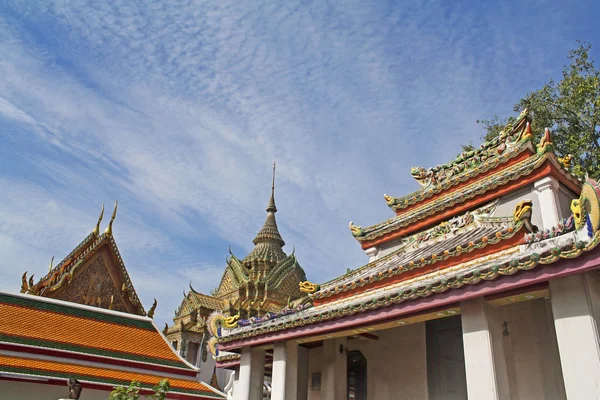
x=64, y=326
x=26, y=366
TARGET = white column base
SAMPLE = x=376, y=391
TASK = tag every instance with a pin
x=575, y=306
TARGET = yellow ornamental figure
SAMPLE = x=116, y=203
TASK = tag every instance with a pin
x=307, y=287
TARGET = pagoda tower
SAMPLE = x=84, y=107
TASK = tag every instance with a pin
x=262, y=283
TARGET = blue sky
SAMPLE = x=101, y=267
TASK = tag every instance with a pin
x=178, y=109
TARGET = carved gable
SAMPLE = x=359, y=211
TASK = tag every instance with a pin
x=228, y=283
x=94, y=286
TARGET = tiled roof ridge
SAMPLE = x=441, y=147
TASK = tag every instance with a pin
x=502, y=177
x=509, y=143
x=509, y=232
x=480, y=215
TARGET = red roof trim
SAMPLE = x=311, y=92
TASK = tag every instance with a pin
x=105, y=360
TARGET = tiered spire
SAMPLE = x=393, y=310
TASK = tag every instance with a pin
x=268, y=242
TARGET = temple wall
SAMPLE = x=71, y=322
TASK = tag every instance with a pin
x=396, y=363
x=531, y=352
x=507, y=204
x=315, y=362
x=564, y=198
x=14, y=390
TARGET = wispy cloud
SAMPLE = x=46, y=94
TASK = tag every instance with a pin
x=178, y=108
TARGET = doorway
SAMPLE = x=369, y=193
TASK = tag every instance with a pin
x=446, y=377
x=357, y=376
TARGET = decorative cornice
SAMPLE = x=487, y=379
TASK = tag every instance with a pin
x=441, y=285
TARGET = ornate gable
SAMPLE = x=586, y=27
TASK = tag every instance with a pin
x=92, y=274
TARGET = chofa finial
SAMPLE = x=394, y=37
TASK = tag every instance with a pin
x=152, y=309
x=50, y=266
x=108, y=230
x=96, y=230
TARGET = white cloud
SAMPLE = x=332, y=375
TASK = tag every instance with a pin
x=178, y=108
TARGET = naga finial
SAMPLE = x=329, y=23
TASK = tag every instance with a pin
x=231, y=322
x=152, y=309
x=50, y=266
x=96, y=230
x=108, y=230
x=31, y=284
x=356, y=230
x=523, y=213
x=522, y=210
x=389, y=200
x=166, y=328
x=24, y=286
x=307, y=287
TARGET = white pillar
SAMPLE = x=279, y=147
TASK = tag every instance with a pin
x=284, y=381
x=546, y=190
x=278, y=381
x=252, y=368
x=334, y=376
x=485, y=364
x=291, y=373
x=575, y=302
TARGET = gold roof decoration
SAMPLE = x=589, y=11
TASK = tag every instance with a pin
x=108, y=230
x=96, y=230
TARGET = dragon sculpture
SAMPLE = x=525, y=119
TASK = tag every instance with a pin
x=307, y=287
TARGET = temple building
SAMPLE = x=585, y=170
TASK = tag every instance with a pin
x=264, y=282
x=483, y=285
x=81, y=331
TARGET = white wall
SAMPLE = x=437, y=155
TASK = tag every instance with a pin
x=15, y=390
x=396, y=363
x=531, y=352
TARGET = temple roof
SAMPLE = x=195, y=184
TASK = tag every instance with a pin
x=526, y=251
x=108, y=377
x=474, y=188
x=508, y=144
x=63, y=273
x=488, y=268
x=83, y=329
x=75, y=335
x=442, y=243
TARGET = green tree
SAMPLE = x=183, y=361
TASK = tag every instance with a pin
x=570, y=108
x=133, y=391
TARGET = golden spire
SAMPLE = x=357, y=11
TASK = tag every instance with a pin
x=50, y=266
x=271, y=207
x=108, y=230
x=96, y=230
